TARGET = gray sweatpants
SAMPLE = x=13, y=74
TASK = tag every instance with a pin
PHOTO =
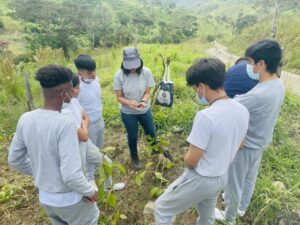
x=81, y=213
x=96, y=132
x=242, y=176
x=188, y=190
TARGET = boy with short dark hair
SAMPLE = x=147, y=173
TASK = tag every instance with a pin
x=45, y=146
x=215, y=138
x=263, y=103
x=90, y=99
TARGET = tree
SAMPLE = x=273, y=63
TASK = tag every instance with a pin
x=244, y=21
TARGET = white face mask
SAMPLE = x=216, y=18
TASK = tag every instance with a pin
x=250, y=72
x=88, y=80
x=65, y=104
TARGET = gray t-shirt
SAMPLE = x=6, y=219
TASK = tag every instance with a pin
x=45, y=146
x=134, y=86
x=263, y=103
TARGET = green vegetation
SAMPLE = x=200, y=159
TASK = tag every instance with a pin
x=280, y=163
x=287, y=24
x=160, y=26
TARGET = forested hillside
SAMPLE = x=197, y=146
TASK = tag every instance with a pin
x=69, y=24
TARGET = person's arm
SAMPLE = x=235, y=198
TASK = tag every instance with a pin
x=18, y=154
x=242, y=145
x=117, y=86
x=250, y=100
x=149, y=84
x=70, y=162
x=144, y=99
x=120, y=97
x=83, y=131
x=193, y=156
x=198, y=139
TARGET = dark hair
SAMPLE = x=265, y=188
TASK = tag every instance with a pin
x=267, y=50
x=207, y=71
x=85, y=62
x=240, y=60
x=75, y=80
x=53, y=75
x=138, y=70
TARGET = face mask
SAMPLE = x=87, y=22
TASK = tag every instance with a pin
x=87, y=80
x=202, y=100
x=65, y=104
x=251, y=74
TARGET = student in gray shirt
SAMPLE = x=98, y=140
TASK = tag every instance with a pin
x=263, y=102
x=45, y=146
x=132, y=85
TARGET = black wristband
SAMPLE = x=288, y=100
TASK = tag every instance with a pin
x=143, y=101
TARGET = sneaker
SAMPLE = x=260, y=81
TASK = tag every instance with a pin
x=136, y=164
x=93, y=183
x=220, y=215
x=241, y=213
x=116, y=187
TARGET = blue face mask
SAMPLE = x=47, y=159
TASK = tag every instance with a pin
x=202, y=100
x=251, y=74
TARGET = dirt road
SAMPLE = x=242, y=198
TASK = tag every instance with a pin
x=291, y=80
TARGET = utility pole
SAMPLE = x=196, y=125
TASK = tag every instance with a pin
x=274, y=26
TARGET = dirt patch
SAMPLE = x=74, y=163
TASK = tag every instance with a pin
x=23, y=207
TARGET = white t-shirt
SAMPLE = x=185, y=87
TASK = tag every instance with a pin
x=90, y=99
x=219, y=131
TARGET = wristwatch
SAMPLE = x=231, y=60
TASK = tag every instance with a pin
x=143, y=101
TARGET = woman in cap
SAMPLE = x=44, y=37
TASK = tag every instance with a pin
x=132, y=85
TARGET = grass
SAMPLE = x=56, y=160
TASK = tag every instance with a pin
x=281, y=162
x=288, y=29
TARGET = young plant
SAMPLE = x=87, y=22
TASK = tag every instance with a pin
x=108, y=197
x=155, y=147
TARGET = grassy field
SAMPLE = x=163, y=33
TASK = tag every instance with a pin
x=281, y=162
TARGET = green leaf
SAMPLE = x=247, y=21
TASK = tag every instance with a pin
x=155, y=192
x=149, y=164
x=123, y=217
x=119, y=166
x=116, y=216
x=139, y=178
x=112, y=200
x=168, y=164
x=101, y=171
x=107, y=168
x=101, y=193
x=108, y=149
x=159, y=176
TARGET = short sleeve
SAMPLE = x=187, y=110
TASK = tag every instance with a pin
x=117, y=85
x=201, y=131
x=149, y=79
x=249, y=100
